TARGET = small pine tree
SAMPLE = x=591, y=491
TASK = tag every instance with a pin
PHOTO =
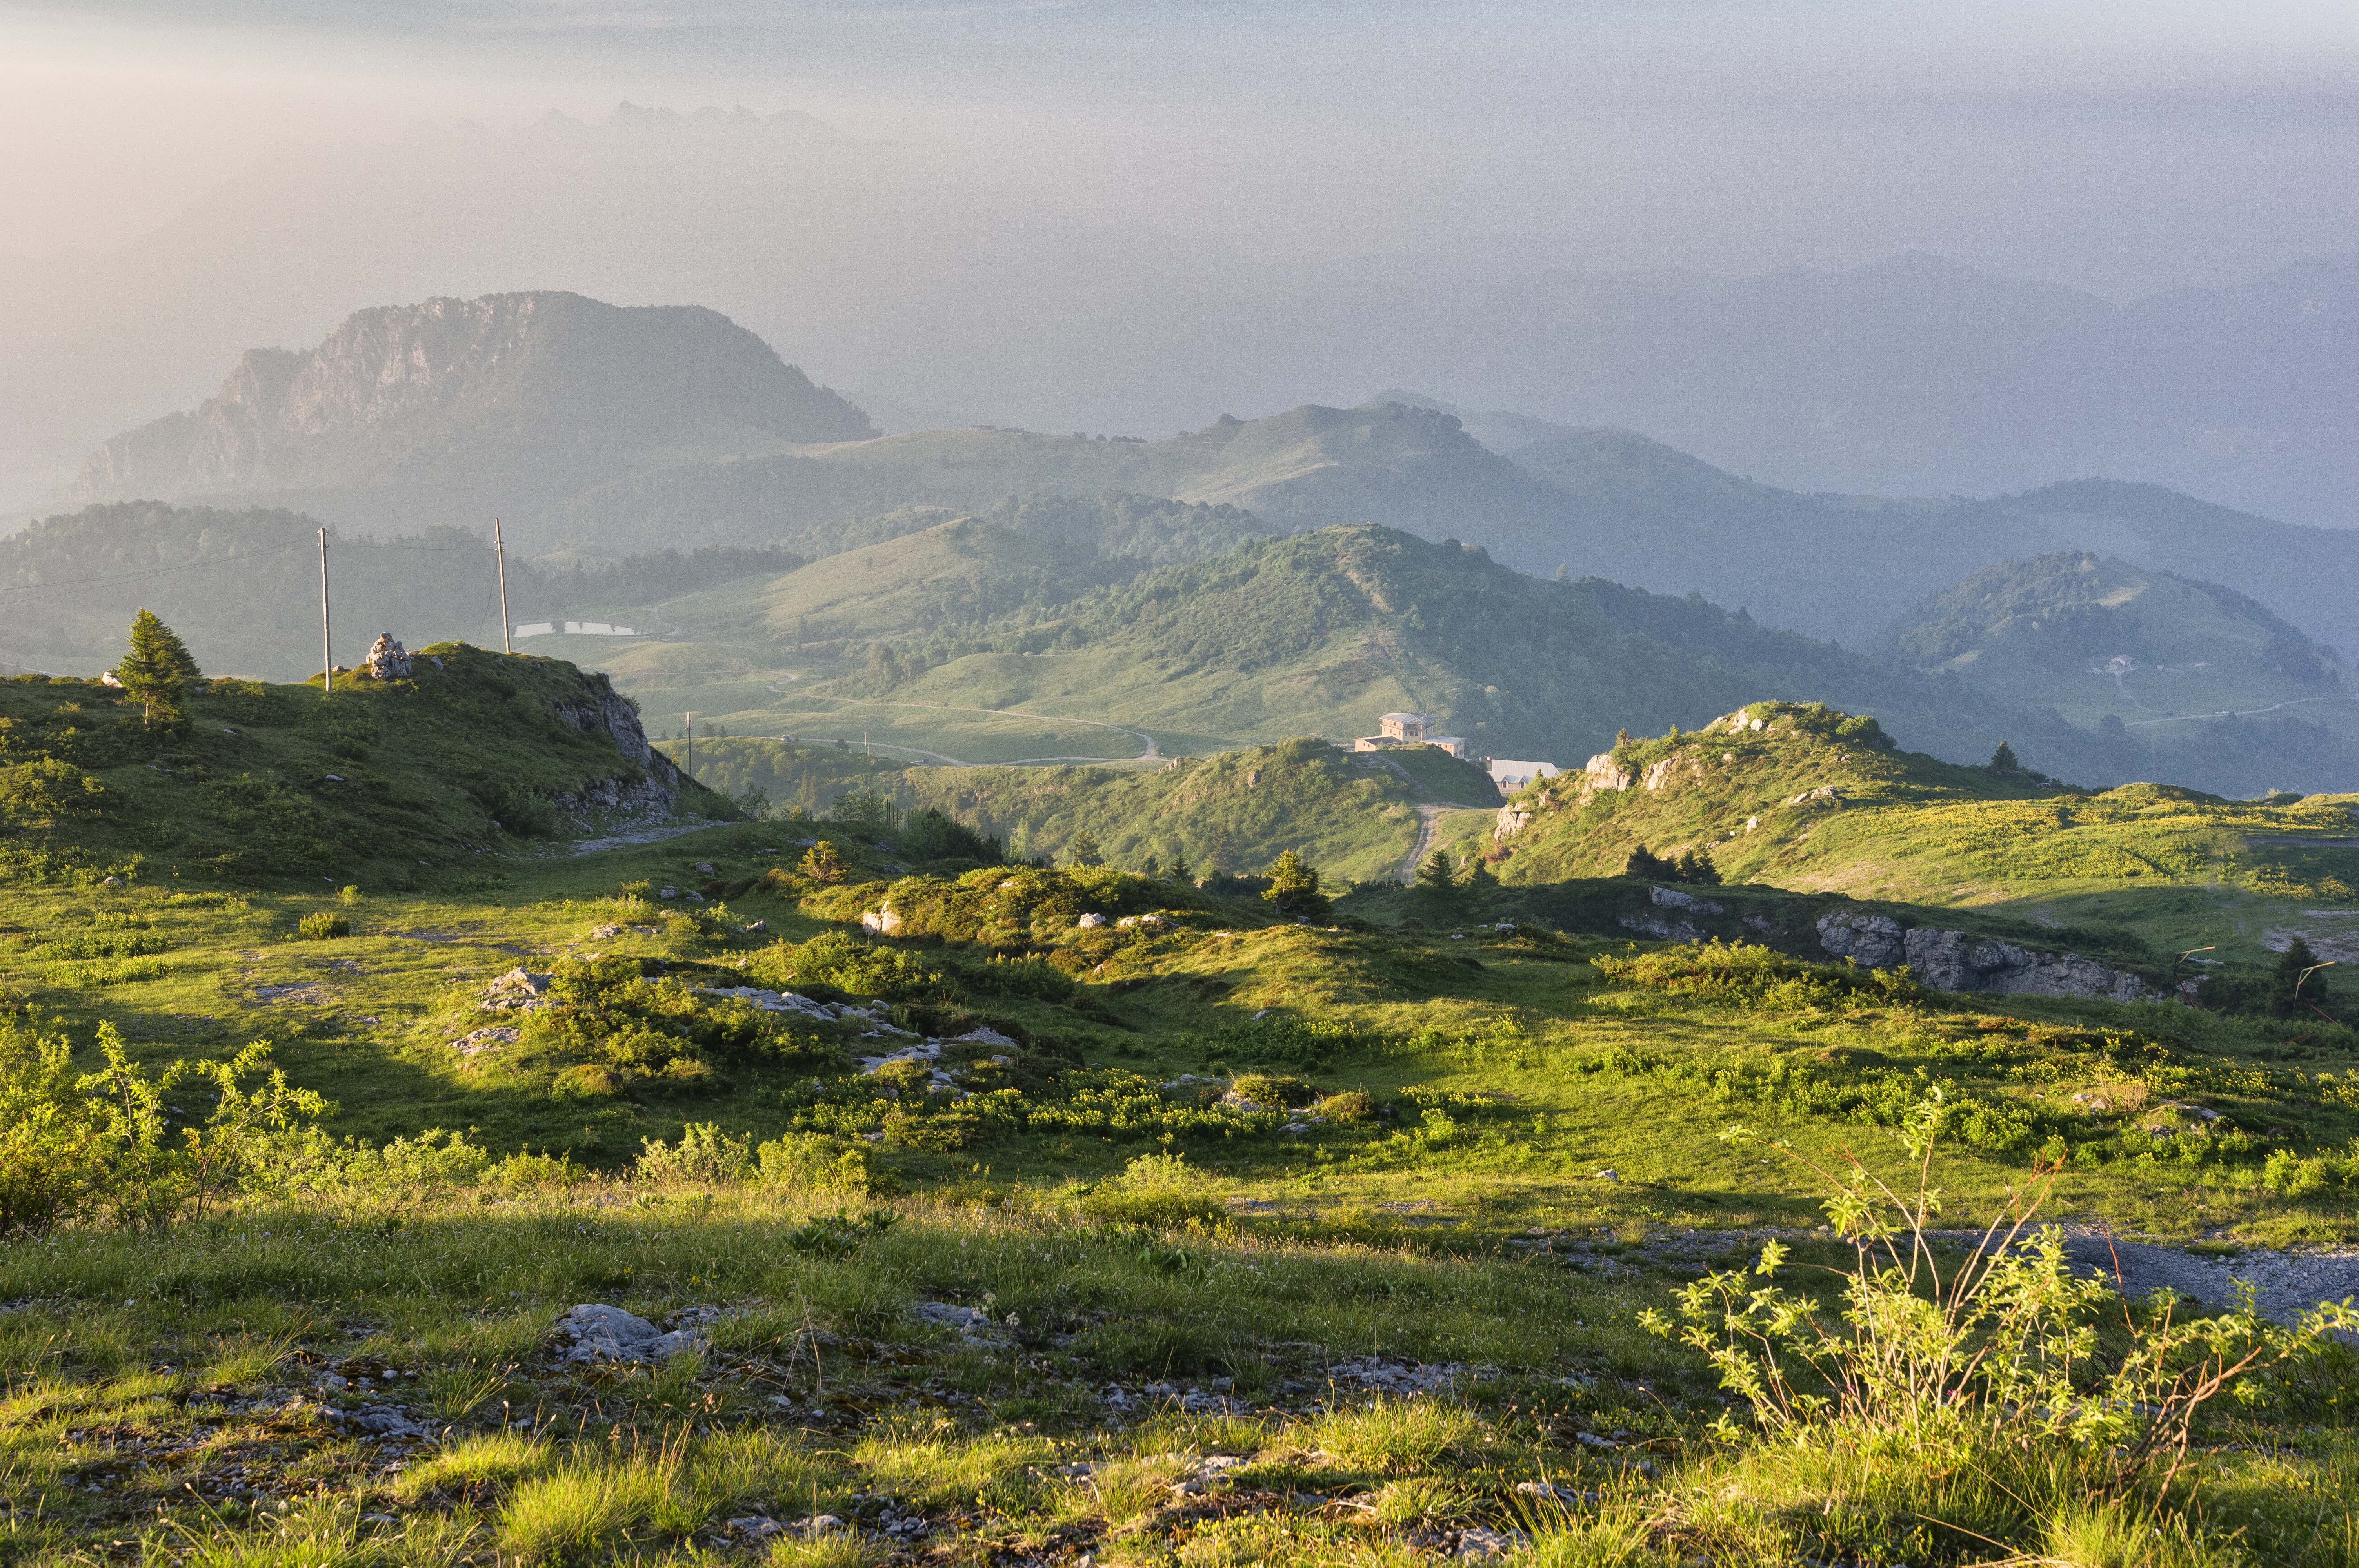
x=1084, y=850
x=1152, y=868
x=1696, y=866
x=1478, y=880
x=2003, y=760
x=157, y=670
x=1294, y=887
x=1437, y=878
x=1644, y=862
x=822, y=862
x=1181, y=871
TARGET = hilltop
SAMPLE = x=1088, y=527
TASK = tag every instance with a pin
x=396, y=783
x=1812, y=799
x=507, y=403
x=2180, y=678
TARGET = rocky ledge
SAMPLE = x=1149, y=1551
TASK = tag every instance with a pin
x=1955, y=961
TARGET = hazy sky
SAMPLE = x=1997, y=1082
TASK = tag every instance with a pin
x=2119, y=146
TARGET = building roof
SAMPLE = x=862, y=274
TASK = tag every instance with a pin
x=1404, y=718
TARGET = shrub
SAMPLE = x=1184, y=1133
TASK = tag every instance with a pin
x=323, y=925
x=1161, y=1190
x=809, y=1161
x=35, y=794
x=1757, y=977
x=1351, y=1109
x=1273, y=1090
x=704, y=1155
x=848, y=963
x=50, y=1149
x=1035, y=977
x=348, y=895
x=2000, y=1351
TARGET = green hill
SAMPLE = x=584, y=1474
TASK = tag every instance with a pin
x=393, y=784
x=1813, y=801
x=1322, y=632
x=2161, y=664
x=243, y=586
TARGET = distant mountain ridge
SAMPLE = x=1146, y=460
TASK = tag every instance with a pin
x=1602, y=503
x=1911, y=375
x=499, y=402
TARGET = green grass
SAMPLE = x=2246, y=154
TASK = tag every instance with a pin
x=2178, y=868
x=1093, y=1188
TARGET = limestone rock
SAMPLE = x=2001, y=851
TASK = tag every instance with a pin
x=882, y=921
x=1957, y=961
x=1090, y=921
x=518, y=991
x=387, y=659
x=601, y=1333
x=1672, y=898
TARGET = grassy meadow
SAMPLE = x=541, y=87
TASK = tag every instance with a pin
x=1190, y=1227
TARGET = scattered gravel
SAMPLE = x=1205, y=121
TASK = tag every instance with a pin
x=2289, y=1282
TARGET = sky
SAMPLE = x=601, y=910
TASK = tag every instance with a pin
x=2121, y=147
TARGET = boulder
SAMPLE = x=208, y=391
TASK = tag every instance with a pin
x=599, y=1333
x=882, y=921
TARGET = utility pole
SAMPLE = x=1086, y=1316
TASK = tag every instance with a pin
x=688, y=745
x=499, y=552
x=327, y=647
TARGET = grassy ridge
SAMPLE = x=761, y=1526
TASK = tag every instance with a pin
x=1906, y=827
x=393, y=784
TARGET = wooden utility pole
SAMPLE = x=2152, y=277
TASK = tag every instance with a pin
x=327, y=645
x=499, y=551
x=688, y=745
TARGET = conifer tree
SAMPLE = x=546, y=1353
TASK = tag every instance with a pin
x=1084, y=850
x=158, y=669
x=2003, y=760
x=1181, y=871
x=822, y=862
x=1437, y=878
x=1294, y=887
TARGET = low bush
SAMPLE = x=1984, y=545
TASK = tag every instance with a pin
x=1759, y=977
x=1271, y=1089
x=323, y=925
x=704, y=1155
x=1159, y=1190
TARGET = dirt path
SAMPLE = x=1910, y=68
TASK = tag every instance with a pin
x=639, y=836
x=1429, y=817
x=2289, y=1282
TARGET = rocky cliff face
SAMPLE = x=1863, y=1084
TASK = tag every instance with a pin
x=650, y=790
x=1955, y=961
x=547, y=393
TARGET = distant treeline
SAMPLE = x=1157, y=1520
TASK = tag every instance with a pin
x=645, y=577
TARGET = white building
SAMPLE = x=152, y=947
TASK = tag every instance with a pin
x=1511, y=777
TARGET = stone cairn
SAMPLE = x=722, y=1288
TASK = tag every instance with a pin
x=387, y=660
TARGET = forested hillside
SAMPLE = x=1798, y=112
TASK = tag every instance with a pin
x=1321, y=632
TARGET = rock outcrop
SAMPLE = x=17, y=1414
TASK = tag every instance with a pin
x=651, y=792
x=1956, y=961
